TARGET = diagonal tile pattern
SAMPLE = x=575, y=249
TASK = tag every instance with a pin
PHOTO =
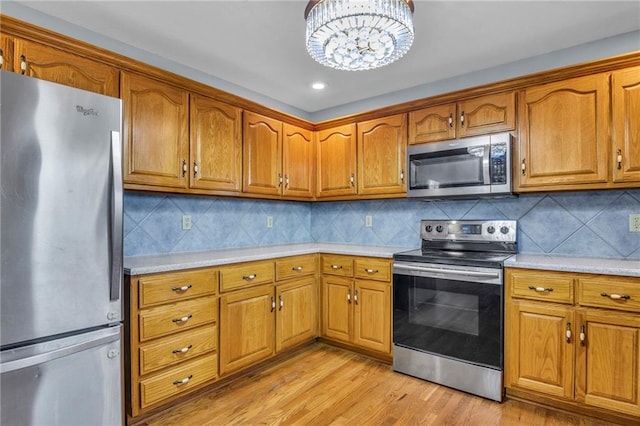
x=588, y=223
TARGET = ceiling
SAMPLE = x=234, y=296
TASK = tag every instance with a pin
x=259, y=45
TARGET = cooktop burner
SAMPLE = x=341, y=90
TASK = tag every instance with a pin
x=484, y=243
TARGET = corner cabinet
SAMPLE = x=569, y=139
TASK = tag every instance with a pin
x=156, y=137
x=336, y=162
x=47, y=63
x=573, y=341
x=356, y=302
x=626, y=125
x=298, y=162
x=382, y=155
x=469, y=117
x=564, y=133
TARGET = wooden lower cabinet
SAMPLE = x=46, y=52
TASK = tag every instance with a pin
x=357, y=311
x=171, y=335
x=297, y=315
x=581, y=353
x=246, y=327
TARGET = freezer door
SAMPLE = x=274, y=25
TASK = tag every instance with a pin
x=61, y=209
x=71, y=381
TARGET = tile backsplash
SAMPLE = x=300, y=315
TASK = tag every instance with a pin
x=589, y=223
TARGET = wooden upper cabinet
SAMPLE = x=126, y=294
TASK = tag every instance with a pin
x=215, y=145
x=382, y=155
x=432, y=124
x=477, y=116
x=626, y=125
x=298, y=162
x=564, y=130
x=487, y=114
x=262, y=154
x=47, y=63
x=6, y=45
x=336, y=161
x=156, y=140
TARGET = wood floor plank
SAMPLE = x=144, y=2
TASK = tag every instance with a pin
x=323, y=385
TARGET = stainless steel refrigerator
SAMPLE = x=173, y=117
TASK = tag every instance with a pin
x=61, y=255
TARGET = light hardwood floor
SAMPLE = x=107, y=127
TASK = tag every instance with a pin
x=323, y=385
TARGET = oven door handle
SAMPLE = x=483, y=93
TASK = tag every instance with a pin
x=475, y=274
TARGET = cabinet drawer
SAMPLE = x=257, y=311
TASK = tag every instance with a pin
x=175, y=349
x=373, y=269
x=610, y=292
x=181, y=379
x=245, y=275
x=296, y=266
x=176, y=286
x=538, y=285
x=169, y=319
x=337, y=265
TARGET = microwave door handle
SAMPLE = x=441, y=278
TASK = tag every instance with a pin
x=485, y=164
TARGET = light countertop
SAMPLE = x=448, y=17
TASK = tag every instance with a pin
x=172, y=262
x=630, y=267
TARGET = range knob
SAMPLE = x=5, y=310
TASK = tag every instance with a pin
x=429, y=228
x=504, y=230
x=439, y=228
x=491, y=229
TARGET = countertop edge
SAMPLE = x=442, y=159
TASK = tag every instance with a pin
x=588, y=265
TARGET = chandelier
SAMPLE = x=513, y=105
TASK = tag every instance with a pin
x=358, y=34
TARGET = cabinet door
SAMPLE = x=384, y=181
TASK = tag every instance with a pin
x=372, y=315
x=298, y=162
x=6, y=53
x=155, y=136
x=487, y=114
x=433, y=124
x=47, y=63
x=297, y=316
x=336, y=151
x=626, y=126
x=336, y=308
x=382, y=155
x=262, y=154
x=539, y=357
x=608, y=360
x=215, y=145
x=564, y=130
x=246, y=327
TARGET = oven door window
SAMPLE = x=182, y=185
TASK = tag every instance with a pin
x=450, y=169
x=456, y=319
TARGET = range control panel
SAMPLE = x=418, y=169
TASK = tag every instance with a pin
x=468, y=230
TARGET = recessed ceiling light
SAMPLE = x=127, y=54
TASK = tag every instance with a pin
x=318, y=85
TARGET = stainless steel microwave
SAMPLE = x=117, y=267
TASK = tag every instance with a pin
x=462, y=168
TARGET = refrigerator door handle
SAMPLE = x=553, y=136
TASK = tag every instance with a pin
x=43, y=357
x=116, y=217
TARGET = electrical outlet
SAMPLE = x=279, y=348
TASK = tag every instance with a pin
x=368, y=221
x=269, y=221
x=634, y=223
x=186, y=221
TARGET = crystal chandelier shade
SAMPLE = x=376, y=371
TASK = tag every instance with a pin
x=358, y=34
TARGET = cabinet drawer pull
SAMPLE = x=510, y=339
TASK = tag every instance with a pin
x=297, y=268
x=183, y=381
x=183, y=350
x=619, y=159
x=249, y=277
x=541, y=289
x=181, y=289
x=583, y=335
x=371, y=271
x=336, y=266
x=616, y=296
x=568, y=332
x=183, y=319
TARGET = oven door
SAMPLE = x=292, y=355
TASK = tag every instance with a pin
x=449, y=311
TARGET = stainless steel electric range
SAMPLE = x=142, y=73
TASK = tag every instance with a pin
x=448, y=305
